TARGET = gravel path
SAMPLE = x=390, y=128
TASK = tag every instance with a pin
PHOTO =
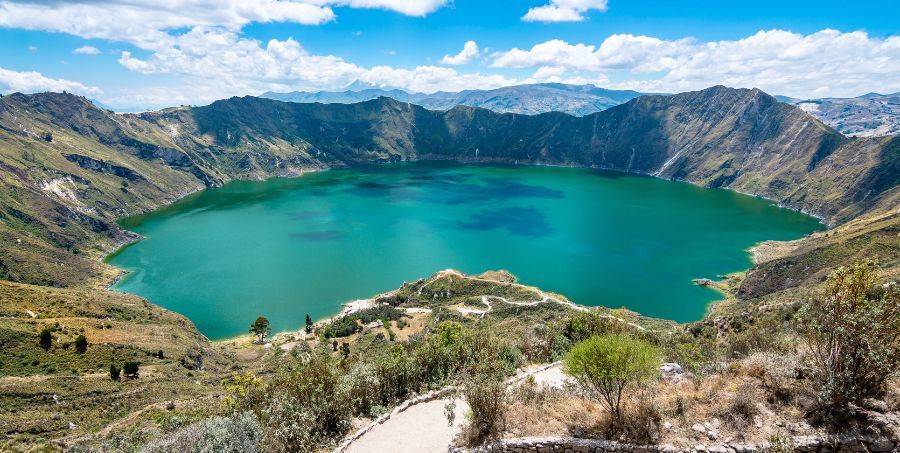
x=423, y=428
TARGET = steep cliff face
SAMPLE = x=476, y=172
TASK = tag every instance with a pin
x=69, y=168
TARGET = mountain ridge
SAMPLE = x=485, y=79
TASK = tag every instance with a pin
x=70, y=169
x=578, y=100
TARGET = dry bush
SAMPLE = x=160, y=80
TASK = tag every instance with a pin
x=741, y=407
x=777, y=374
x=892, y=397
x=641, y=421
x=543, y=411
x=677, y=400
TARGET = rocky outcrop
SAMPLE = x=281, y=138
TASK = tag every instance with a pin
x=92, y=164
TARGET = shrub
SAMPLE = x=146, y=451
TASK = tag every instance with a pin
x=607, y=367
x=245, y=391
x=484, y=389
x=237, y=433
x=307, y=405
x=588, y=324
x=741, y=408
x=81, y=344
x=697, y=356
x=131, y=369
x=341, y=327
x=45, y=339
x=114, y=372
x=851, y=330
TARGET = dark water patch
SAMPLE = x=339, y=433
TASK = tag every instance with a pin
x=515, y=220
x=314, y=236
x=308, y=215
x=490, y=190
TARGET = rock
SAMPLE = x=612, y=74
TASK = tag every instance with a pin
x=881, y=445
x=875, y=405
x=668, y=426
x=712, y=435
x=699, y=428
x=671, y=368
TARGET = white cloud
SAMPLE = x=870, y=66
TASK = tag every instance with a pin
x=828, y=62
x=564, y=10
x=220, y=63
x=146, y=24
x=465, y=56
x=86, y=50
x=32, y=49
x=555, y=52
x=33, y=82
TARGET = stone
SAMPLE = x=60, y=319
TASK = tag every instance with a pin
x=699, y=428
x=712, y=435
x=881, y=445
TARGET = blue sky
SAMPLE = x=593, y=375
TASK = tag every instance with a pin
x=138, y=56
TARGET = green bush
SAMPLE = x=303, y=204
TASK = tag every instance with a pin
x=81, y=344
x=45, y=339
x=484, y=389
x=851, y=329
x=131, y=369
x=607, y=367
x=237, y=433
x=307, y=405
x=114, y=372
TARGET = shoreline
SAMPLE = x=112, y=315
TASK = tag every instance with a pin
x=108, y=282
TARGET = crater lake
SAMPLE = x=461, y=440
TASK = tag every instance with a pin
x=283, y=248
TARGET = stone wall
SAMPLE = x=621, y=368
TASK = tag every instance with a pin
x=572, y=445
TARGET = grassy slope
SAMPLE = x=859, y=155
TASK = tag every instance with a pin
x=42, y=391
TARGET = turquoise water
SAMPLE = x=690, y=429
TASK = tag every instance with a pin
x=287, y=247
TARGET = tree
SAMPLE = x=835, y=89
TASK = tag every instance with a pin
x=46, y=338
x=851, y=331
x=114, y=372
x=131, y=369
x=81, y=344
x=345, y=350
x=309, y=324
x=608, y=366
x=334, y=345
x=160, y=355
x=260, y=328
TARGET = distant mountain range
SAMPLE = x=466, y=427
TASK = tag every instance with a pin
x=869, y=115
x=865, y=116
x=578, y=100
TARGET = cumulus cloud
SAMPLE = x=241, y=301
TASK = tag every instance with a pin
x=564, y=10
x=224, y=64
x=465, y=56
x=33, y=82
x=825, y=63
x=146, y=23
x=86, y=50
